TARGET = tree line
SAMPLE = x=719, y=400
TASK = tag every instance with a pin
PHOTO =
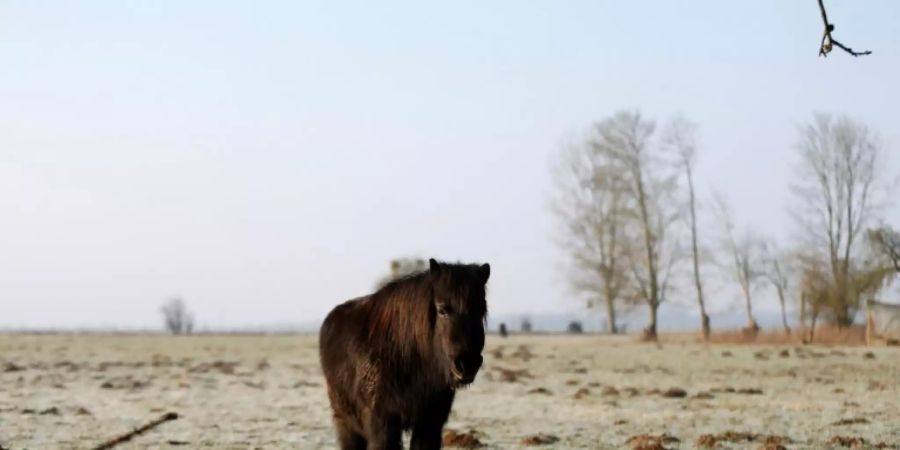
x=631, y=229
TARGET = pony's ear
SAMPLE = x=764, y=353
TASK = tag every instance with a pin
x=485, y=272
x=433, y=266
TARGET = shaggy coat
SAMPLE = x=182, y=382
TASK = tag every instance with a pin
x=393, y=360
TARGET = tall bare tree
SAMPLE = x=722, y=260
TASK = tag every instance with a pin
x=590, y=204
x=743, y=255
x=836, y=186
x=681, y=137
x=649, y=186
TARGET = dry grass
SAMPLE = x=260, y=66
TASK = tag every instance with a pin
x=825, y=335
x=230, y=392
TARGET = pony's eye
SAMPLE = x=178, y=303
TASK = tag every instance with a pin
x=443, y=310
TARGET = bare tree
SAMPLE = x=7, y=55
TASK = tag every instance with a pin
x=743, y=255
x=837, y=180
x=590, y=204
x=402, y=267
x=886, y=242
x=681, y=137
x=777, y=271
x=176, y=316
x=649, y=191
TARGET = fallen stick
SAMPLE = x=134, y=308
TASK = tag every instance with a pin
x=136, y=432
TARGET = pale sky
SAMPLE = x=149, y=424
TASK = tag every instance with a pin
x=266, y=160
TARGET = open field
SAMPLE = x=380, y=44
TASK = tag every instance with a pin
x=240, y=392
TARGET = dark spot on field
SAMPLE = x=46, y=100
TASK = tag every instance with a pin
x=581, y=393
x=651, y=442
x=453, y=438
x=784, y=353
x=540, y=439
x=750, y=391
x=12, y=367
x=126, y=382
x=706, y=441
x=868, y=355
x=703, y=396
x=51, y=411
x=512, y=375
x=572, y=382
x=674, y=392
x=223, y=367
x=851, y=421
x=540, y=390
x=609, y=391
x=727, y=354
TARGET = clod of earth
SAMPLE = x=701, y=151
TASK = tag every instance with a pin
x=726, y=354
x=784, y=353
x=750, y=391
x=675, y=392
x=706, y=441
x=772, y=447
x=12, y=367
x=851, y=421
x=51, y=411
x=540, y=439
x=609, y=391
x=540, y=390
x=868, y=355
x=650, y=442
x=847, y=441
x=453, y=438
x=581, y=393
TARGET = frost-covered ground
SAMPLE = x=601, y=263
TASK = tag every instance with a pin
x=246, y=392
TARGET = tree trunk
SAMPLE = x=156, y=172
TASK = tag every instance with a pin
x=611, y=315
x=751, y=322
x=704, y=318
x=803, y=312
x=650, y=332
x=787, y=329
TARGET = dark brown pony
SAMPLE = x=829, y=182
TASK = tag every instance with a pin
x=393, y=360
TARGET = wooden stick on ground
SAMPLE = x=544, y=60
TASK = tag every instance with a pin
x=136, y=432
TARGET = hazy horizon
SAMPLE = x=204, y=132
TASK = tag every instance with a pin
x=265, y=163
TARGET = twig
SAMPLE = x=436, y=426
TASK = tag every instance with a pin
x=828, y=41
x=136, y=432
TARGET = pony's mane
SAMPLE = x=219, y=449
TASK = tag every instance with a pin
x=399, y=314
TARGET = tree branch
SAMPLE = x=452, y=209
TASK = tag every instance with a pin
x=828, y=42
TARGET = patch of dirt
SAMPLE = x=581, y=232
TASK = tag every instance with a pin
x=651, y=442
x=674, y=392
x=582, y=393
x=540, y=439
x=706, y=441
x=453, y=438
x=540, y=390
x=126, y=382
x=851, y=421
